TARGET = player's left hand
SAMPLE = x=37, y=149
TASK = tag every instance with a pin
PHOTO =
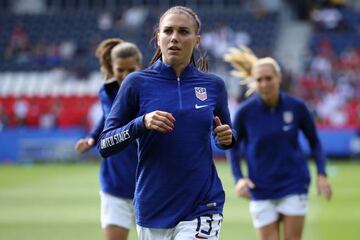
x=324, y=187
x=84, y=144
x=223, y=132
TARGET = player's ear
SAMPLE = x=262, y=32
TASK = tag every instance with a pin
x=197, y=41
x=157, y=38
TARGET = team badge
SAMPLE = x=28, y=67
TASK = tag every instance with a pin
x=288, y=117
x=200, y=93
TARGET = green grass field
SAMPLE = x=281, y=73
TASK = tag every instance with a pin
x=61, y=202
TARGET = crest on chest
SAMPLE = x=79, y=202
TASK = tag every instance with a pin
x=288, y=117
x=200, y=93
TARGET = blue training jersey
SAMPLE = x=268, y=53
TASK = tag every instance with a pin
x=269, y=138
x=117, y=172
x=176, y=176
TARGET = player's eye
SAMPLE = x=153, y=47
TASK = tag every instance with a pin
x=167, y=30
x=184, y=31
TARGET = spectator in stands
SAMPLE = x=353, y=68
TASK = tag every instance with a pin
x=268, y=124
x=134, y=17
x=221, y=38
x=105, y=21
x=321, y=66
x=19, y=46
x=21, y=109
x=329, y=17
x=117, y=175
x=172, y=109
x=49, y=120
x=67, y=49
x=4, y=119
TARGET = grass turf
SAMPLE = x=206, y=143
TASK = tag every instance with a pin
x=61, y=202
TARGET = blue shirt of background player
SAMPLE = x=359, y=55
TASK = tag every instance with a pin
x=117, y=172
x=276, y=163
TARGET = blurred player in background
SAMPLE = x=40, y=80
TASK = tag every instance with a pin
x=173, y=108
x=117, y=174
x=268, y=124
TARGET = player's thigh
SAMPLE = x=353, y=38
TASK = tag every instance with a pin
x=263, y=212
x=204, y=227
x=293, y=227
x=116, y=211
x=293, y=209
x=270, y=231
x=113, y=232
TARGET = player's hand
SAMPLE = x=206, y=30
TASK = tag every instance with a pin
x=223, y=132
x=159, y=121
x=324, y=187
x=242, y=187
x=84, y=144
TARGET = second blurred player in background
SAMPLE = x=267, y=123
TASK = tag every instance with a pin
x=268, y=124
x=117, y=174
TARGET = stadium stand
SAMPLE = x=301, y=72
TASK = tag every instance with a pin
x=47, y=60
x=52, y=54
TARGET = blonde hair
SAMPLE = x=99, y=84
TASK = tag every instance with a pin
x=244, y=61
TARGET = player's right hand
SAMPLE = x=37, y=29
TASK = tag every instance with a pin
x=324, y=187
x=84, y=144
x=159, y=121
x=242, y=187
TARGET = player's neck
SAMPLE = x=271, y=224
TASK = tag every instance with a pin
x=273, y=102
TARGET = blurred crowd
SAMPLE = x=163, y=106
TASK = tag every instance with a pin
x=329, y=83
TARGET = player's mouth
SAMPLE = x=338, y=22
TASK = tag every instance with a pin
x=174, y=50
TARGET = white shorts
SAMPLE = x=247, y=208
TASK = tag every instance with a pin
x=204, y=227
x=116, y=211
x=264, y=212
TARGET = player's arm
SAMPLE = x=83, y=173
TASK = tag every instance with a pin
x=242, y=184
x=308, y=127
x=225, y=136
x=84, y=144
x=122, y=126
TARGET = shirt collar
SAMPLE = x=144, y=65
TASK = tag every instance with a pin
x=265, y=106
x=168, y=71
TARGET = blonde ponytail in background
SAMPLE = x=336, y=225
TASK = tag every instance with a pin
x=243, y=61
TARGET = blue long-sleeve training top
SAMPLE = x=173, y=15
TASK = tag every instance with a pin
x=117, y=172
x=269, y=138
x=176, y=175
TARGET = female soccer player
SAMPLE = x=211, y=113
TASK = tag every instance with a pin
x=117, y=173
x=268, y=124
x=173, y=109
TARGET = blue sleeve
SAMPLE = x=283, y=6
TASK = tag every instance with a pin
x=309, y=129
x=96, y=131
x=122, y=126
x=105, y=106
x=222, y=111
x=235, y=152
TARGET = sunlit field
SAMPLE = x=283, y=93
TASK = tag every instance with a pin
x=51, y=202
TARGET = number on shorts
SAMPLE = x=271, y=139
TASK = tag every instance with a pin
x=209, y=221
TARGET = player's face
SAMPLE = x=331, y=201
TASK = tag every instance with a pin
x=177, y=38
x=267, y=82
x=123, y=66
